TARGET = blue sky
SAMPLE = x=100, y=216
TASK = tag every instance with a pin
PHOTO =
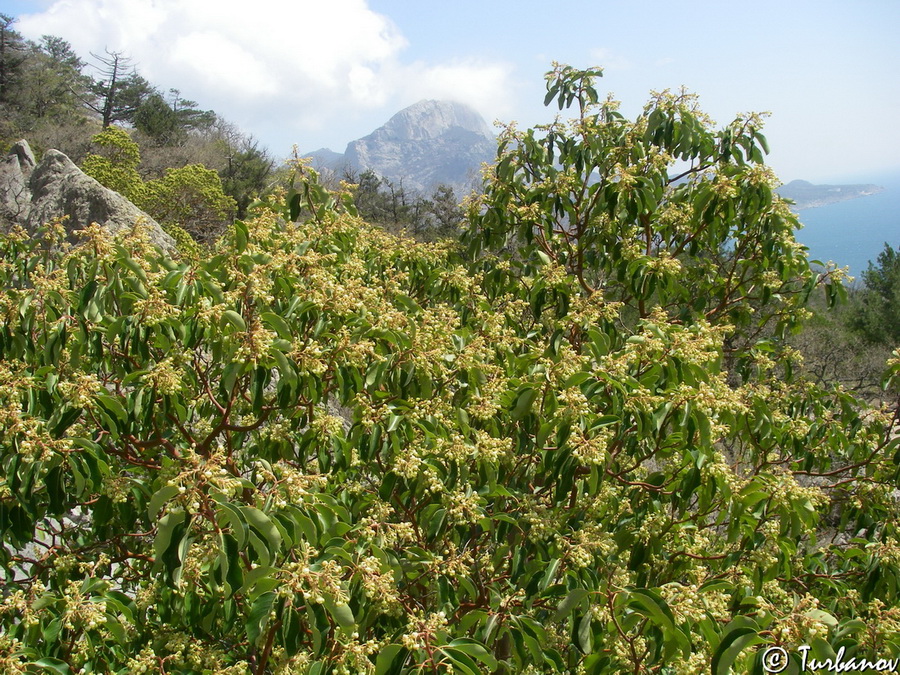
x=316, y=73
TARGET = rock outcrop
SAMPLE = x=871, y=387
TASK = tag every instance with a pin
x=15, y=193
x=425, y=145
x=34, y=194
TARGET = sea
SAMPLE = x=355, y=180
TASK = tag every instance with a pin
x=854, y=232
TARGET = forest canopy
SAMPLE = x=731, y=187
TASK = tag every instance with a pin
x=578, y=442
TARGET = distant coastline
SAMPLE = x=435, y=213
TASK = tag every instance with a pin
x=854, y=231
x=806, y=195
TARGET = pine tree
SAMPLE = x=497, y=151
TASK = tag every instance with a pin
x=120, y=92
x=12, y=55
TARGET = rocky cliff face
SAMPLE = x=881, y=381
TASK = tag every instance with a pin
x=427, y=144
x=32, y=194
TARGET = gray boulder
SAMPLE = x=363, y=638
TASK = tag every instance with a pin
x=32, y=195
x=15, y=194
x=59, y=188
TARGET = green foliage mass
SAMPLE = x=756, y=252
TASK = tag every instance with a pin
x=877, y=304
x=399, y=209
x=850, y=344
x=834, y=352
x=115, y=164
x=245, y=172
x=580, y=446
x=157, y=120
x=51, y=81
x=192, y=198
x=41, y=84
x=167, y=124
x=189, y=197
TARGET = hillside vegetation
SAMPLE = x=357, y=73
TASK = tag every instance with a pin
x=55, y=99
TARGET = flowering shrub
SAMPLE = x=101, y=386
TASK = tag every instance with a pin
x=580, y=447
x=115, y=164
x=187, y=201
x=191, y=198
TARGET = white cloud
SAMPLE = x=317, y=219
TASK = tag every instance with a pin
x=365, y=86
x=284, y=66
x=95, y=25
x=484, y=86
x=214, y=57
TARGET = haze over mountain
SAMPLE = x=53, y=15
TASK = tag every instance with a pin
x=425, y=145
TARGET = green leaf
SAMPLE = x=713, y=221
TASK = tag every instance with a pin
x=239, y=526
x=604, y=421
x=259, y=580
x=278, y=324
x=159, y=499
x=731, y=646
x=229, y=316
x=285, y=367
x=259, y=615
x=263, y=553
x=822, y=616
x=577, y=379
x=55, y=665
x=653, y=606
x=52, y=630
x=240, y=236
x=549, y=574
x=475, y=649
x=821, y=650
x=264, y=525
x=135, y=267
x=165, y=530
x=462, y=662
x=523, y=403
x=341, y=613
x=113, y=406
x=387, y=658
x=551, y=94
x=570, y=602
x=294, y=207
x=585, y=634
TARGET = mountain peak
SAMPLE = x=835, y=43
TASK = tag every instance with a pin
x=431, y=119
x=424, y=145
